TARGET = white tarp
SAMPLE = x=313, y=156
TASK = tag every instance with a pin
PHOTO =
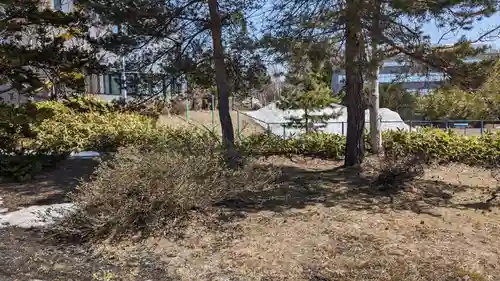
x=39, y=216
x=35, y=216
x=272, y=118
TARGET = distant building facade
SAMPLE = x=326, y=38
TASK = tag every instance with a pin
x=112, y=84
x=409, y=77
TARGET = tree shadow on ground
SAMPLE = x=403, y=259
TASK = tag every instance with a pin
x=348, y=188
x=49, y=187
x=31, y=254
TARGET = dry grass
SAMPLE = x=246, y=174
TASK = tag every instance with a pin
x=329, y=223
x=154, y=192
x=322, y=222
x=31, y=255
x=204, y=119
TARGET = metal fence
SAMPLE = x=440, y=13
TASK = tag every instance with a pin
x=465, y=127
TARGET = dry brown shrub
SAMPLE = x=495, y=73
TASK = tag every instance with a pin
x=392, y=171
x=147, y=192
x=178, y=108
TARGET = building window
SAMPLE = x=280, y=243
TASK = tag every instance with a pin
x=58, y=5
x=132, y=84
x=112, y=84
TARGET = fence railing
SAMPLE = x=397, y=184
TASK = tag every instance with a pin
x=465, y=127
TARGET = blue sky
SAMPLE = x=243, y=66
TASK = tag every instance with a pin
x=435, y=34
x=429, y=28
x=479, y=28
x=439, y=36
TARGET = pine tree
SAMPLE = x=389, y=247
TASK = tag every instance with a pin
x=174, y=37
x=310, y=94
x=372, y=30
x=42, y=47
x=246, y=70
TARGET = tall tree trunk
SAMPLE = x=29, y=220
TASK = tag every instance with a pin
x=375, y=126
x=306, y=117
x=374, y=72
x=355, y=101
x=221, y=79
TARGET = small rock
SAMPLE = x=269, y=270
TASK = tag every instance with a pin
x=447, y=195
x=137, y=237
x=59, y=266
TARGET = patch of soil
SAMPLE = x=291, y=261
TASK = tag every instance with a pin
x=47, y=188
x=32, y=255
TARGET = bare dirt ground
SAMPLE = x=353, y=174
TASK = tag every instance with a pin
x=204, y=119
x=36, y=254
x=322, y=222
x=48, y=188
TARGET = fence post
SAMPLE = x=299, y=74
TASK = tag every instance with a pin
x=343, y=132
x=213, y=112
x=187, y=110
x=268, y=129
x=284, y=131
x=482, y=127
x=411, y=125
x=238, y=125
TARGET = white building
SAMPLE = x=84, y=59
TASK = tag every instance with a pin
x=409, y=77
x=106, y=85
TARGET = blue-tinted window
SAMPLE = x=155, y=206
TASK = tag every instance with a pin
x=58, y=5
x=112, y=84
x=115, y=29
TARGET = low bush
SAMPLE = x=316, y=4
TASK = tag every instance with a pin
x=25, y=167
x=444, y=146
x=19, y=160
x=431, y=144
x=321, y=145
x=87, y=104
x=148, y=191
x=392, y=171
x=186, y=141
x=36, y=135
x=91, y=132
x=90, y=104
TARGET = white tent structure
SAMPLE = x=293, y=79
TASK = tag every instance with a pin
x=272, y=118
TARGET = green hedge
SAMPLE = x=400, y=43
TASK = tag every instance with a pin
x=316, y=145
x=445, y=146
x=50, y=127
x=435, y=144
x=36, y=135
x=89, y=104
